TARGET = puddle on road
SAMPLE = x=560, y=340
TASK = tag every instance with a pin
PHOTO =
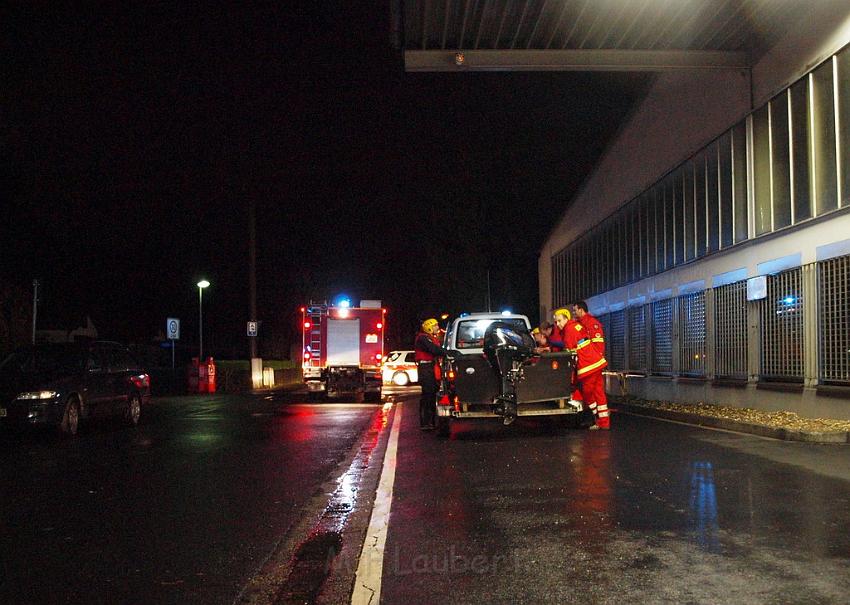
x=313, y=559
x=311, y=565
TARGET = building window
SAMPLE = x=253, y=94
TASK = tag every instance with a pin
x=660, y=229
x=782, y=327
x=615, y=341
x=700, y=212
x=761, y=170
x=834, y=319
x=730, y=331
x=692, y=334
x=739, y=183
x=823, y=137
x=800, y=152
x=712, y=198
x=662, y=337
x=637, y=338
x=842, y=68
x=689, y=213
x=780, y=162
x=726, y=185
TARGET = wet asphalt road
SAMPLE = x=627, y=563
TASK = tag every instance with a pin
x=185, y=508
x=651, y=512
x=182, y=509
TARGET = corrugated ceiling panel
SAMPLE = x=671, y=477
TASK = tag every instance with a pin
x=732, y=25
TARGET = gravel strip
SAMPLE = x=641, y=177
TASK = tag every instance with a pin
x=786, y=425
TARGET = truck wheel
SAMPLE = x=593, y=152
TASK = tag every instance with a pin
x=444, y=428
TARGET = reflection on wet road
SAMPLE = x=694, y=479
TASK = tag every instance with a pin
x=180, y=510
x=185, y=509
x=650, y=512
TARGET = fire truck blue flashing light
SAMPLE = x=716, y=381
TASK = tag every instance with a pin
x=506, y=312
x=789, y=300
x=344, y=303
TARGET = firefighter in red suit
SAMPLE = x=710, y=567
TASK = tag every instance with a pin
x=555, y=339
x=591, y=325
x=426, y=351
x=590, y=362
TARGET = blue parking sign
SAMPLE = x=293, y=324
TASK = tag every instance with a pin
x=172, y=328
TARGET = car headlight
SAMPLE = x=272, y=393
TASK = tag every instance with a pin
x=38, y=395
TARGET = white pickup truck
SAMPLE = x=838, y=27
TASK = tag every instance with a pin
x=496, y=373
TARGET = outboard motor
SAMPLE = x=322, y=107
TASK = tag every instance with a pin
x=506, y=348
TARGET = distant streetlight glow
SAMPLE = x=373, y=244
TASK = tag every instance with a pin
x=201, y=285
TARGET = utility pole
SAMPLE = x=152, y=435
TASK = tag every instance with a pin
x=252, y=268
x=256, y=362
x=34, y=306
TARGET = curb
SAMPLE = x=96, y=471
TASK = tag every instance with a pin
x=737, y=426
x=286, y=388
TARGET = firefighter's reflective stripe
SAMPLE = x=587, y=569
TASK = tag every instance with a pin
x=594, y=366
x=602, y=408
x=583, y=343
x=598, y=339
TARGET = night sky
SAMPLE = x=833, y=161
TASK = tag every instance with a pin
x=132, y=143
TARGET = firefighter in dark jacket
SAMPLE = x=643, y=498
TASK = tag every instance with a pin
x=426, y=351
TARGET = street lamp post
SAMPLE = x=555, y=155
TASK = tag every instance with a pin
x=201, y=285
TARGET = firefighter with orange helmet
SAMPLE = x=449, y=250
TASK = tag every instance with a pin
x=590, y=362
x=426, y=351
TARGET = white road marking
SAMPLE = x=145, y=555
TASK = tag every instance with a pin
x=367, y=581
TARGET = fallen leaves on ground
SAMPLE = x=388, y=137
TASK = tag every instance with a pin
x=786, y=420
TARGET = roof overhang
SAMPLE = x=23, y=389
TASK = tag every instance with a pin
x=574, y=60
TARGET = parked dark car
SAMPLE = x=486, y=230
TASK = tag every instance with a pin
x=64, y=384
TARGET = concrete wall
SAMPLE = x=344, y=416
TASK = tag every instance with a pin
x=807, y=402
x=659, y=134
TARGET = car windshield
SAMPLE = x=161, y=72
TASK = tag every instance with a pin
x=392, y=357
x=39, y=360
x=470, y=333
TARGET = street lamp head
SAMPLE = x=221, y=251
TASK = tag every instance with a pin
x=203, y=284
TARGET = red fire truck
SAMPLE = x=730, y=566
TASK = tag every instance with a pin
x=342, y=348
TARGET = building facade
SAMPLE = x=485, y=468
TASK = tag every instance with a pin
x=713, y=239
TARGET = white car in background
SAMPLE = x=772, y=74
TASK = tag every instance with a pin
x=399, y=368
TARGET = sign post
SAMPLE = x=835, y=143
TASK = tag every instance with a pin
x=256, y=362
x=172, y=328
